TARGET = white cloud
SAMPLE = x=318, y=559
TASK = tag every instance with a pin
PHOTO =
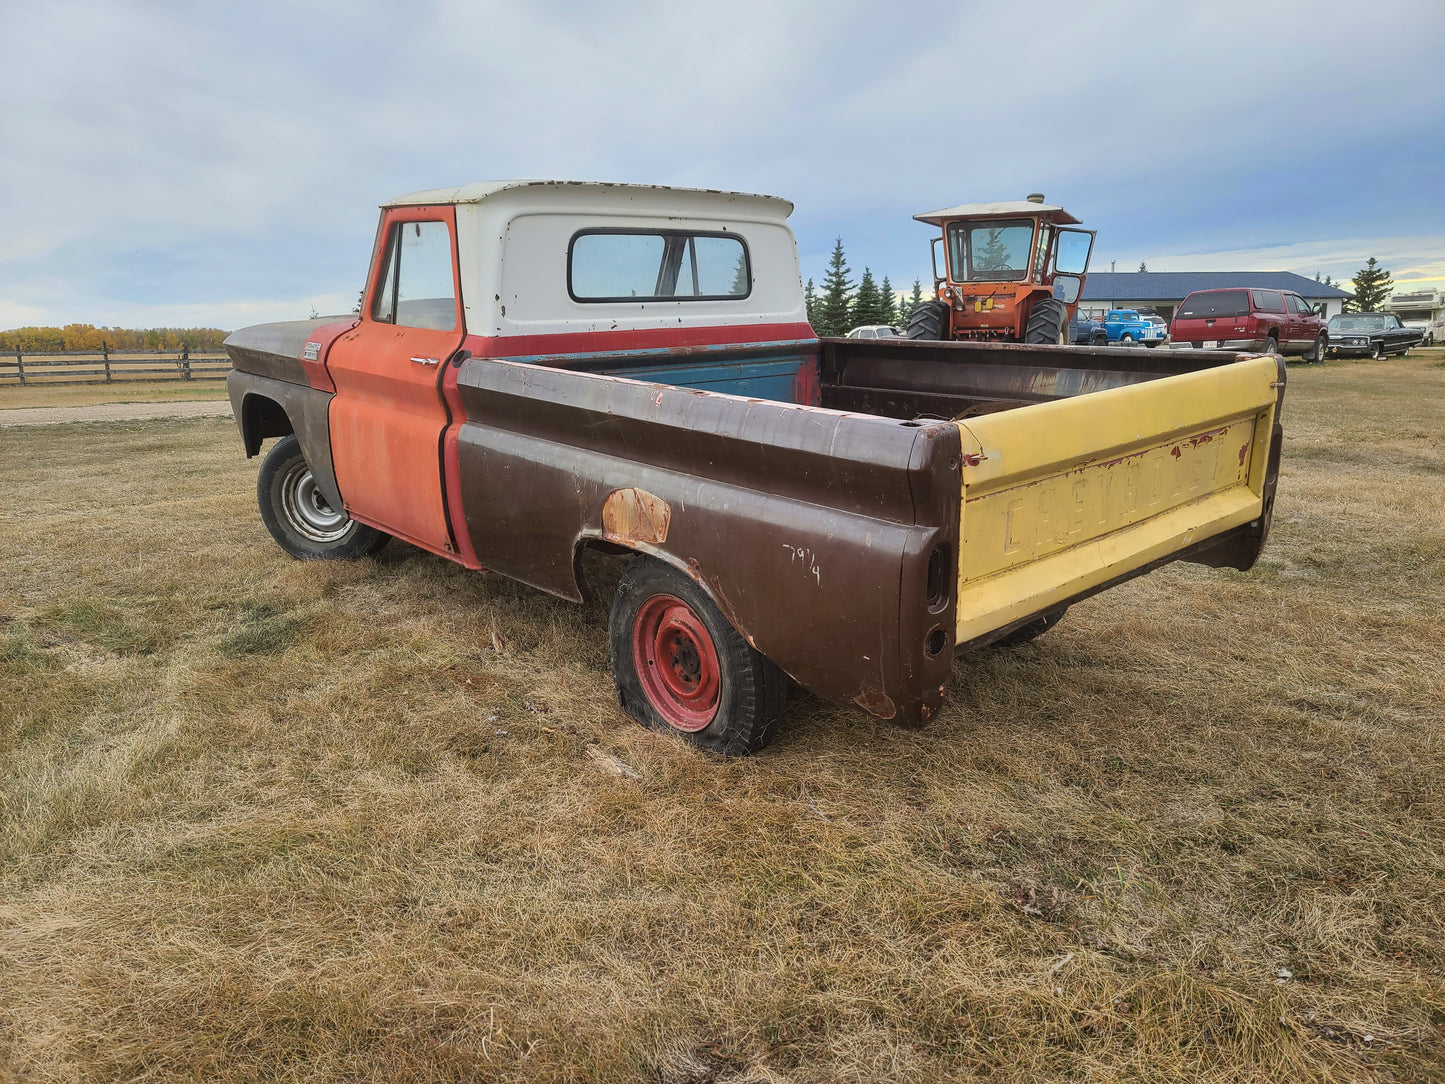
x=212, y=157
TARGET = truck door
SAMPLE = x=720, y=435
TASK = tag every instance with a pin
x=388, y=414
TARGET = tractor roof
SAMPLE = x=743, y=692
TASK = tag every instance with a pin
x=1007, y=209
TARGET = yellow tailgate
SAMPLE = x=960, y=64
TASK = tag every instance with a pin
x=1063, y=496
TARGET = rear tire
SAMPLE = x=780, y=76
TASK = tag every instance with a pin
x=1271, y=345
x=928, y=320
x=1034, y=629
x=1048, y=323
x=679, y=665
x=1126, y=339
x=299, y=517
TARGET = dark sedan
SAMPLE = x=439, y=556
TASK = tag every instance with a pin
x=1370, y=335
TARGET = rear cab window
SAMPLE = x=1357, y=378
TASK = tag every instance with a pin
x=1216, y=303
x=648, y=265
x=1268, y=300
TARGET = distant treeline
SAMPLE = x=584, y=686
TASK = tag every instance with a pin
x=87, y=337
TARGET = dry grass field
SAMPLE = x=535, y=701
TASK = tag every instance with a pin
x=382, y=821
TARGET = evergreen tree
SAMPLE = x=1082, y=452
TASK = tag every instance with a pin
x=865, y=301
x=833, y=307
x=740, y=276
x=887, y=303
x=1143, y=267
x=810, y=302
x=917, y=297
x=994, y=255
x=1372, y=285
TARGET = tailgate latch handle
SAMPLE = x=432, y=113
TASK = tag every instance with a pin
x=427, y=361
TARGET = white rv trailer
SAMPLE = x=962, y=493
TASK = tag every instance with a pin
x=1423, y=309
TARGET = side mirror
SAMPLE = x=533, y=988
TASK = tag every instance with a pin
x=940, y=265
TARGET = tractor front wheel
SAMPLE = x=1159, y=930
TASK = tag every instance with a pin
x=928, y=321
x=1048, y=323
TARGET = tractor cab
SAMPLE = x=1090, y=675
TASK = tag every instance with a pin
x=1007, y=271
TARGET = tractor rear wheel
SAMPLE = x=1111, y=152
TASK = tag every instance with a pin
x=927, y=321
x=1048, y=322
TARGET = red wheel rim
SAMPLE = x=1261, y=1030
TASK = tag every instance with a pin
x=676, y=662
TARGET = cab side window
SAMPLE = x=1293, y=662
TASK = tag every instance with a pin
x=416, y=287
x=1268, y=300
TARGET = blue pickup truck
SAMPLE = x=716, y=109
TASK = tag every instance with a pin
x=1127, y=327
x=1084, y=331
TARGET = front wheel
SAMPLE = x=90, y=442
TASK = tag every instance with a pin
x=928, y=321
x=1317, y=352
x=300, y=519
x=1048, y=323
x=680, y=666
x=1380, y=350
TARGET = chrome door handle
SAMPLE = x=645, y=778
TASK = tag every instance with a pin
x=427, y=361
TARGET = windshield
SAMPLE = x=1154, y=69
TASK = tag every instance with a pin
x=1357, y=323
x=1215, y=303
x=998, y=252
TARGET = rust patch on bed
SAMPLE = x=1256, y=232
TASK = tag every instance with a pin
x=634, y=515
x=876, y=702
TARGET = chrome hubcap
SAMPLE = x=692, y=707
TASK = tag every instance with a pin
x=306, y=509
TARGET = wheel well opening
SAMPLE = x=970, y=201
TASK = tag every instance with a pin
x=261, y=418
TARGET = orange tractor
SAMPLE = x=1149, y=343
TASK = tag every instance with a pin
x=1009, y=272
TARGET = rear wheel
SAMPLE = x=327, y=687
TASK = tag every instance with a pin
x=1271, y=345
x=680, y=666
x=928, y=320
x=1034, y=629
x=1126, y=339
x=300, y=519
x=1048, y=323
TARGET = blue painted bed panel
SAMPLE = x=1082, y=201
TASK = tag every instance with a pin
x=772, y=375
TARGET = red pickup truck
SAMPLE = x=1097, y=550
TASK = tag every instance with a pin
x=543, y=367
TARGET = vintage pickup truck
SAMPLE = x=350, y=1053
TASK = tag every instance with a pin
x=540, y=367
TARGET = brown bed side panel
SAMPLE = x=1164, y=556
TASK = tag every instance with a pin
x=812, y=530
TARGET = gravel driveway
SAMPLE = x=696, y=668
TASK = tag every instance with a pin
x=113, y=412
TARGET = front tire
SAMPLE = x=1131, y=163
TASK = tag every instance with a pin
x=1048, y=323
x=1379, y=354
x=1317, y=352
x=299, y=517
x=928, y=321
x=680, y=666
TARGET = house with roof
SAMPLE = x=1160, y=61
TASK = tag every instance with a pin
x=1161, y=291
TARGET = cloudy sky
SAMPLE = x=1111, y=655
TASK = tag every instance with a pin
x=173, y=163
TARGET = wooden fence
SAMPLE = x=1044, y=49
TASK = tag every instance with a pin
x=105, y=366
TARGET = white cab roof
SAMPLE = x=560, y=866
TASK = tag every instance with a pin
x=479, y=191
x=1008, y=209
